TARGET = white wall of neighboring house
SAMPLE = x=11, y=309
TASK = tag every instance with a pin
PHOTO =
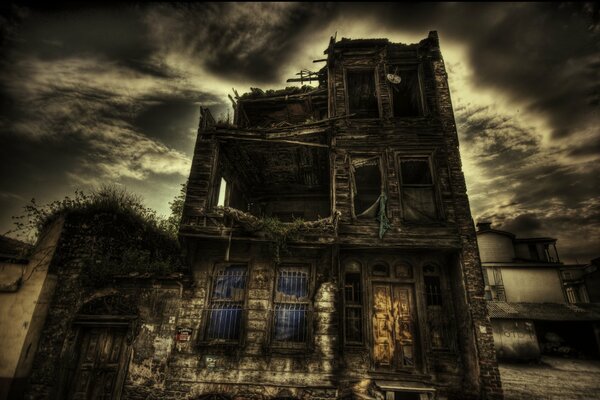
x=23, y=312
x=533, y=285
x=495, y=247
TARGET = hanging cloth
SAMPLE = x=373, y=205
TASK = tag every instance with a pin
x=384, y=222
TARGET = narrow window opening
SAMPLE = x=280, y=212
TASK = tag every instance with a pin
x=367, y=186
x=407, y=94
x=362, y=96
x=433, y=291
x=353, y=314
x=438, y=315
x=222, y=193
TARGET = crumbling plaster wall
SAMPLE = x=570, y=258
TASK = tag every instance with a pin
x=253, y=369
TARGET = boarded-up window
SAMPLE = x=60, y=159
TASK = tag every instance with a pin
x=224, y=314
x=366, y=185
x=407, y=94
x=353, y=306
x=418, y=194
x=291, y=308
x=362, y=96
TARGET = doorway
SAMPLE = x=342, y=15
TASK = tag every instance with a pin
x=393, y=322
x=101, y=363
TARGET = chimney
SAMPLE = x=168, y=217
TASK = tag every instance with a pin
x=484, y=226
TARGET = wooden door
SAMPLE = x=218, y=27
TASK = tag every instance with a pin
x=102, y=353
x=393, y=326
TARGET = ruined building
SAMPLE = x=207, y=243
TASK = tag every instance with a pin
x=330, y=254
x=331, y=242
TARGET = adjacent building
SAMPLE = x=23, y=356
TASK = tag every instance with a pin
x=24, y=297
x=538, y=305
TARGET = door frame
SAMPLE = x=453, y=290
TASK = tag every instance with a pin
x=71, y=350
x=415, y=319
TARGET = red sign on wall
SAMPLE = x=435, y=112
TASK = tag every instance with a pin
x=183, y=334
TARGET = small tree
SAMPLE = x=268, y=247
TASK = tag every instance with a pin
x=172, y=222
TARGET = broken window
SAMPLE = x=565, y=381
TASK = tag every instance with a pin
x=406, y=95
x=353, y=304
x=291, y=308
x=366, y=185
x=224, y=319
x=438, y=320
x=418, y=194
x=362, y=95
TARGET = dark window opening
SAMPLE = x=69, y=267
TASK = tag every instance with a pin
x=291, y=311
x=353, y=314
x=367, y=186
x=362, y=96
x=418, y=195
x=533, y=252
x=438, y=312
x=407, y=94
x=433, y=291
x=224, y=315
x=407, y=396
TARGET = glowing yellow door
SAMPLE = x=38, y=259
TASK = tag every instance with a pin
x=393, y=326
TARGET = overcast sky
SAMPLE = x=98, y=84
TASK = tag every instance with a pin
x=110, y=94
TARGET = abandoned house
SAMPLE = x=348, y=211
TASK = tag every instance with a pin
x=330, y=254
x=537, y=304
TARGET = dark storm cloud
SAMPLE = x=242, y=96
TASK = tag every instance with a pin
x=544, y=54
x=96, y=93
x=250, y=41
x=49, y=32
x=527, y=187
x=524, y=224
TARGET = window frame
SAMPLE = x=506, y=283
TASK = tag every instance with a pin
x=375, y=70
x=204, y=328
x=435, y=187
x=390, y=67
x=361, y=305
x=445, y=309
x=352, y=184
x=291, y=346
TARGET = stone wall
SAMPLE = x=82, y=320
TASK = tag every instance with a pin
x=155, y=300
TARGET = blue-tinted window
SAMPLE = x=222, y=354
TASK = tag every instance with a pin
x=224, y=314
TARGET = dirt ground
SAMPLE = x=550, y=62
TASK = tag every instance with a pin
x=552, y=378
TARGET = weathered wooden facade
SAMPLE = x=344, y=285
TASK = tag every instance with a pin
x=331, y=255
x=372, y=287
